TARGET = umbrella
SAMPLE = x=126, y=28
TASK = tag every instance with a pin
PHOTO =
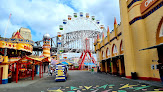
x=65, y=63
x=89, y=64
x=53, y=62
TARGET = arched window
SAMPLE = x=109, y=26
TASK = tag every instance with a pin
x=115, y=49
x=161, y=31
x=108, y=52
x=103, y=54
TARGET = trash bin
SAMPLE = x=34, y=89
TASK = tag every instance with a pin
x=92, y=70
x=9, y=80
x=134, y=75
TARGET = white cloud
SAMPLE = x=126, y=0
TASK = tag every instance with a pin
x=103, y=10
x=42, y=16
x=45, y=16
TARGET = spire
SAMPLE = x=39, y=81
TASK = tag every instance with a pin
x=98, y=36
x=17, y=35
x=108, y=34
x=108, y=30
x=103, y=35
x=115, y=26
x=94, y=40
x=115, y=21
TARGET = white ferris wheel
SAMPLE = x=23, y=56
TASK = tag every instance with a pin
x=81, y=26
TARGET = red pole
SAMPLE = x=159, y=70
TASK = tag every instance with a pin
x=40, y=71
x=12, y=71
x=26, y=69
x=32, y=72
x=13, y=67
x=83, y=60
x=80, y=59
x=92, y=57
x=17, y=69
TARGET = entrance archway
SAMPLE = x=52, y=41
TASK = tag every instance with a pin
x=159, y=40
x=121, y=60
x=159, y=34
x=159, y=46
x=115, y=64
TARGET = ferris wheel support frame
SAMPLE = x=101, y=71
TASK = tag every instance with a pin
x=87, y=50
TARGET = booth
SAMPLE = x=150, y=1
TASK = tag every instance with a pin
x=61, y=72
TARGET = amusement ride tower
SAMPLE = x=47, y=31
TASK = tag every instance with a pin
x=46, y=45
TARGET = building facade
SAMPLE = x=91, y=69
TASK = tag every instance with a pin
x=134, y=46
x=25, y=33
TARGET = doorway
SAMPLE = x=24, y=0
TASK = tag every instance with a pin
x=1, y=73
x=160, y=56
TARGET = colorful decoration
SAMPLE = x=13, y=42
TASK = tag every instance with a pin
x=61, y=50
x=64, y=21
x=98, y=21
x=60, y=27
x=17, y=35
x=59, y=34
x=93, y=17
x=81, y=14
x=75, y=15
x=102, y=27
x=18, y=46
x=59, y=42
x=69, y=17
x=87, y=15
x=108, y=88
x=87, y=87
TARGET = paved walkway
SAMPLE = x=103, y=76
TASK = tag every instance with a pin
x=23, y=82
x=153, y=83
x=81, y=81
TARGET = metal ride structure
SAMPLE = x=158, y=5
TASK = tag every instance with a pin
x=72, y=34
x=85, y=30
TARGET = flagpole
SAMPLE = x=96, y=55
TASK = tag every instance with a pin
x=7, y=25
x=5, y=53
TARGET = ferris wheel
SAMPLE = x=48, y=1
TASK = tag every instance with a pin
x=82, y=27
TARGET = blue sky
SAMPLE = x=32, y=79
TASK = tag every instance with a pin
x=45, y=16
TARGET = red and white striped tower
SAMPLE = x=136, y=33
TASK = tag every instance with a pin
x=46, y=45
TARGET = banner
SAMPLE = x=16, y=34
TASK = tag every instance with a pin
x=17, y=46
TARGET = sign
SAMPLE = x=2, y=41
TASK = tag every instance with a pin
x=147, y=4
x=18, y=46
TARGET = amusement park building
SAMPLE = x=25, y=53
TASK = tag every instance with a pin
x=134, y=47
x=18, y=62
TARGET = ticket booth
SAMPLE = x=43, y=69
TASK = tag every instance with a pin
x=61, y=72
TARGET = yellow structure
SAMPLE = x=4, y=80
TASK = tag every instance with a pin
x=16, y=47
x=5, y=70
x=125, y=50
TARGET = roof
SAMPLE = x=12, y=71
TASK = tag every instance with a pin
x=36, y=60
x=17, y=35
